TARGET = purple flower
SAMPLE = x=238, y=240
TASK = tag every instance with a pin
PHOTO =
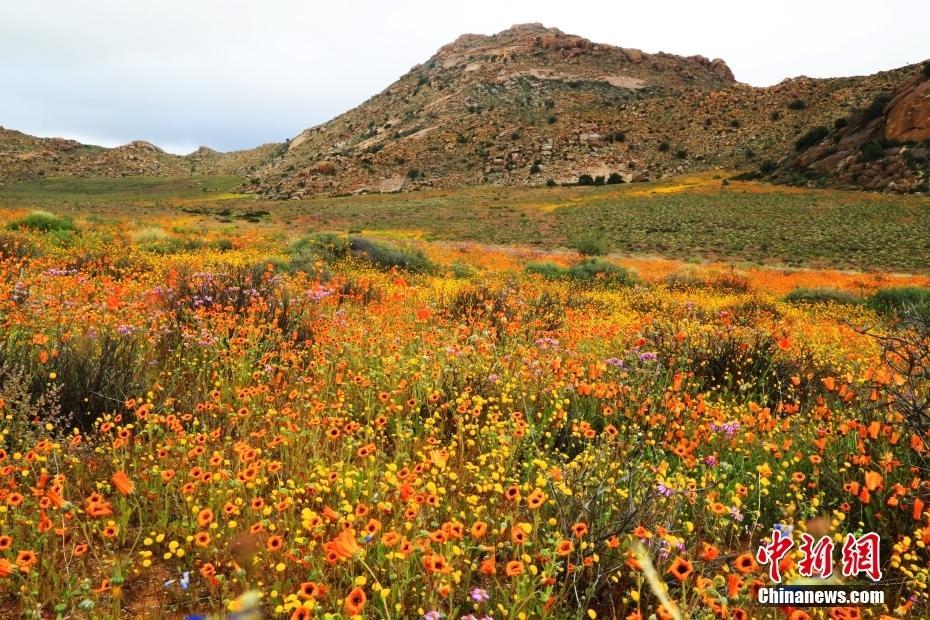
x=664, y=490
x=710, y=461
x=479, y=596
x=432, y=615
x=614, y=361
x=647, y=356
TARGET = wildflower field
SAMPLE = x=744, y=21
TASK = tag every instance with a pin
x=216, y=418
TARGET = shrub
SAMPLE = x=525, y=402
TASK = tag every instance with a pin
x=776, y=115
x=589, y=272
x=615, y=178
x=767, y=167
x=812, y=137
x=599, y=271
x=534, y=169
x=797, y=104
x=840, y=123
x=875, y=109
x=461, y=271
x=599, y=180
x=585, y=179
x=551, y=183
x=681, y=154
x=927, y=69
x=735, y=124
x=43, y=221
x=322, y=246
x=822, y=296
x=664, y=146
x=549, y=271
x=871, y=151
x=591, y=243
x=388, y=257
x=901, y=299
x=413, y=174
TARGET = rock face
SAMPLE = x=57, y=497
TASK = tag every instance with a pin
x=878, y=148
x=907, y=117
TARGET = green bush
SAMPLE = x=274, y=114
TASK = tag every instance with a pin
x=822, y=296
x=615, y=178
x=325, y=246
x=598, y=271
x=599, y=180
x=812, y=137
x=875, y=109
x=549, y=271
x=591, y=243
x=797, y=104
x=585, y=179
x=664, y=146
x=389, y=257
x=871, y=151
x=927, y=69
x=900, y=299
x=43, y=221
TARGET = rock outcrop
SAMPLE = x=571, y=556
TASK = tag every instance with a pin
x=883, y=146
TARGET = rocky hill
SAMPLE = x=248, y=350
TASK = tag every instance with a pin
x=527, y=106
x=26, y=157
x=884, y=146
x=533, y=105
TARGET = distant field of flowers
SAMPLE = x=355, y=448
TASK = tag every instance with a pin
x=337, y=426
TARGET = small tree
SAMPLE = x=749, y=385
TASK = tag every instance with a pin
x=585, y=179
x=615, y=178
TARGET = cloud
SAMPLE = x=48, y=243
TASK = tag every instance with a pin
x=234, y=74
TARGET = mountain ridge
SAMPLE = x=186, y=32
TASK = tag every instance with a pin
x=529, y=105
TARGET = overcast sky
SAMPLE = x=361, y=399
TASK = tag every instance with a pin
x=233, y=74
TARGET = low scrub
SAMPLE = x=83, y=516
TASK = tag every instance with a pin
x=822, y=296
x=901, y=299
x=591, y=271
x=43, y=221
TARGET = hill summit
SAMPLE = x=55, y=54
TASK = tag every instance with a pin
x=533, y=105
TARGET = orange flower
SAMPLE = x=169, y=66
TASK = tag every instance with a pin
x=514, y=568
x=579, y=529
x=205, y=517
x=680, y=569
x=122, y=483
x=344, y=546
x=564, y=547
x=25, y=560
x=309, y=590
x=745, y=563
x=355, y=602
x=274, y=543
x=6, y=569
x=479, y=529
